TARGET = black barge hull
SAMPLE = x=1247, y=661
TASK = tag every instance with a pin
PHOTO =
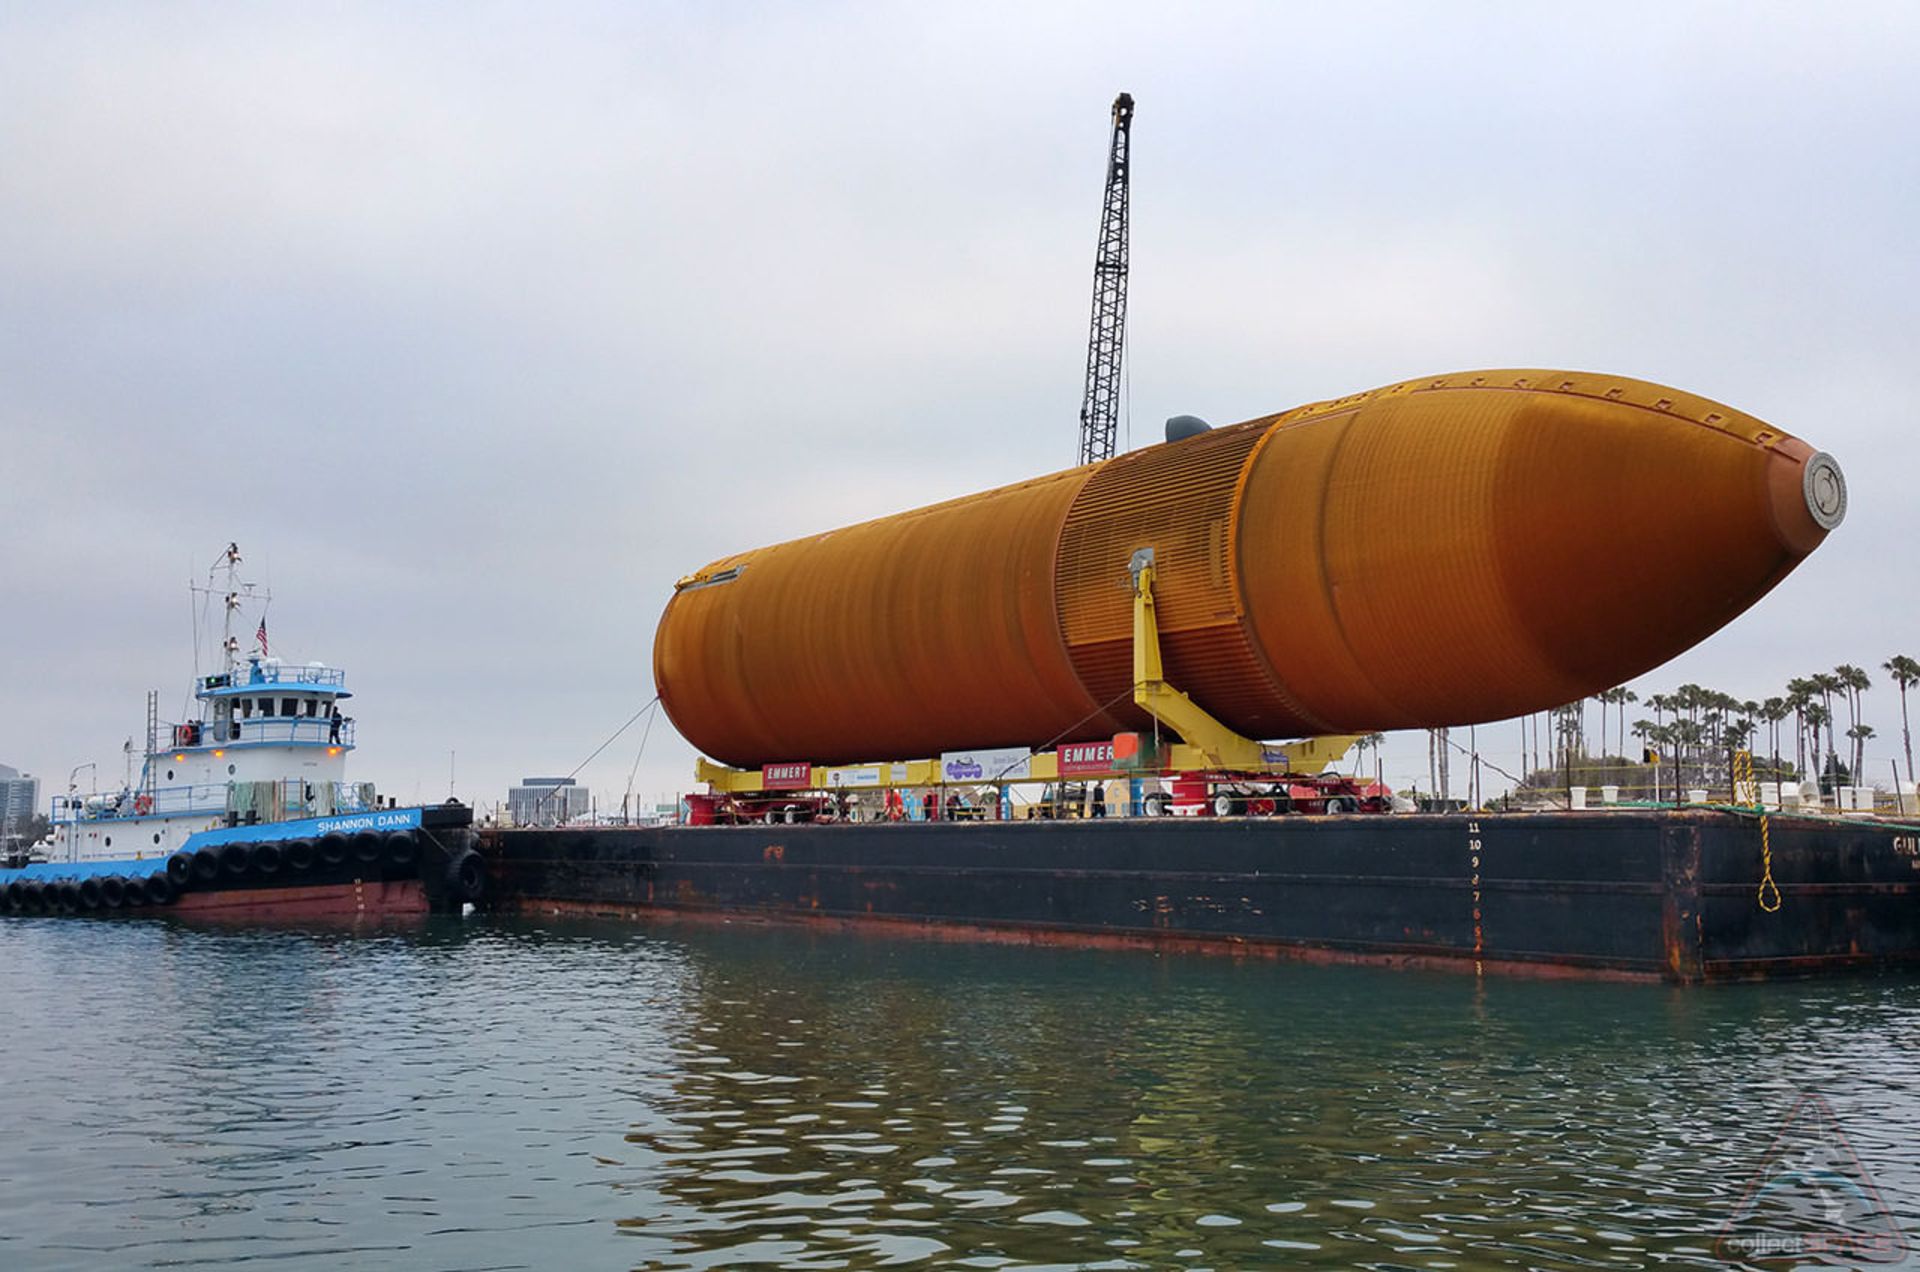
x=1648, y=895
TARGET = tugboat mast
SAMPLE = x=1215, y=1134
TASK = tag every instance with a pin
x=235, y=594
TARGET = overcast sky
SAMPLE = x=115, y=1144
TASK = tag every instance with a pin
x=478, y=325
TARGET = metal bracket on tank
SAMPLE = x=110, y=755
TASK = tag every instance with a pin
x=1222, y=747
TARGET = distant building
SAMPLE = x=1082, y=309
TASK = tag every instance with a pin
x=19, y=800
x=547, y=801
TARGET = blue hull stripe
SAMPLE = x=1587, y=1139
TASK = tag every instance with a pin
x=305, y=828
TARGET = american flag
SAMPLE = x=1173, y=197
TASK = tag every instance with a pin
x=261, y=635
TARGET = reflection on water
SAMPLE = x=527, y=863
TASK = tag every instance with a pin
x=526, y=1095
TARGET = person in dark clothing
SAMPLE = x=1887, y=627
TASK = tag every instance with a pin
x=333, y=723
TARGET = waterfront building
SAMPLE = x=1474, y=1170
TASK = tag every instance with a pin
x=547, y=801
x=19, y=800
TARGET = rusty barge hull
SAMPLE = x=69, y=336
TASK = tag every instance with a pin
x=1654, y=895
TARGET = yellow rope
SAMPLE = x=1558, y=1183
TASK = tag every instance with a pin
x=1746, y=792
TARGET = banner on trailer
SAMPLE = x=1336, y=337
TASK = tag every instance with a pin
x=1086, y=757
x=868, y=775
x=1005, y=764
x=786, y=777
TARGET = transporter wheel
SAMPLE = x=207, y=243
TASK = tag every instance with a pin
x=767, y=818
x=1227, y=806
x=1338, y=804
x=790, y=814
x=1158, y=804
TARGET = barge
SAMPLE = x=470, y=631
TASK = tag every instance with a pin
x=1674, y=895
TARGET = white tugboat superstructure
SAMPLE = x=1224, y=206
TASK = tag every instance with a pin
x=267, y=743
x=244, y=806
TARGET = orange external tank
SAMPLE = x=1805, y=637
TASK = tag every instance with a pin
x=1443, y=551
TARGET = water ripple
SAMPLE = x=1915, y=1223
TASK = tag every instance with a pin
x=528, y=1095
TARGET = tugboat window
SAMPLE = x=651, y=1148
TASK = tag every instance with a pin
x=289, y=707
x=311, y=704
x=169, y=775
x=229, y=770
x=266, y=706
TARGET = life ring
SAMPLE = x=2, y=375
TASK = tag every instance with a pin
x=143, y=804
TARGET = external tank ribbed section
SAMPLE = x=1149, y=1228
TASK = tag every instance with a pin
x=1179, y=500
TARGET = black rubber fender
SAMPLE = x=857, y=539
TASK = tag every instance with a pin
x=33, y=896
x=401, y=850
x=158, y=890
x=301, y=854
x=334, y=848
x=206, y=864
x=235, y=859
x=87, y=895
x=268, y=856
x=113, y=892
x=180, y=869
x=366, y=846
x=64, y=896
x=10, y=898
x=466, y=876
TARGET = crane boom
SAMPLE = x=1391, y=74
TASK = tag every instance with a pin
x=1099, y=408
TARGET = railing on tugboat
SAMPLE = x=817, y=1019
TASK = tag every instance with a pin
x=306, y=730
x=239, y=802
x=278, y=674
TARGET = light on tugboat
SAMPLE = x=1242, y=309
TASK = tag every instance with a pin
x=179, y=759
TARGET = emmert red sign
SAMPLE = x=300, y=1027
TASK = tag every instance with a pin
x=1086, y=757
x=786, y=777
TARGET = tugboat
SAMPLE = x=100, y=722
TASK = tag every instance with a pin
x=244, y=811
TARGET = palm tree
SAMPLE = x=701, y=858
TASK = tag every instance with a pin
x=1827, y=686
x=1818, y=715
x=1800, y=693
x=1373, y=740
x=1773, y=711
x=1861, y=734
x=1619, y=696
x=1853, y=681
x=1906, y=673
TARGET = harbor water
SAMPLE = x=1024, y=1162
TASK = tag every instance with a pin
x=492, y=1094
